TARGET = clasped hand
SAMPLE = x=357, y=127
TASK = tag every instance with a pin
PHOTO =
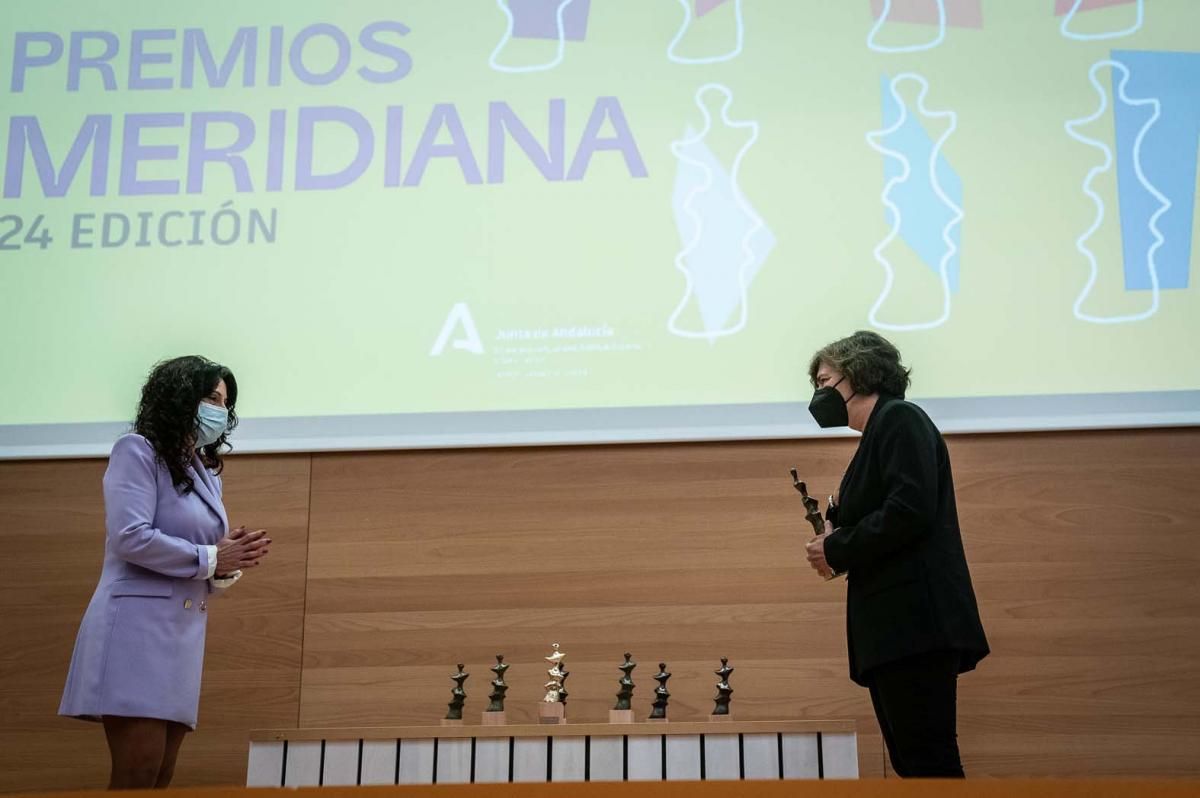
x=241, y=549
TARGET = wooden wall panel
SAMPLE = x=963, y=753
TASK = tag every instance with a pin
x=52, y=536
x=677, y=553
x=252, y=662
x=1084, y=548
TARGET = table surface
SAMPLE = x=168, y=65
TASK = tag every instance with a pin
x=648, y=728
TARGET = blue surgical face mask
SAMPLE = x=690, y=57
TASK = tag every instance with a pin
x=211, y=422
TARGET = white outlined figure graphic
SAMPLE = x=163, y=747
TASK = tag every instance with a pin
x=688, y=19
x=875, y=139
x=1065, y=26
x=1071, y=127
x=508, y=36
x=908, y=48
x=724, y=239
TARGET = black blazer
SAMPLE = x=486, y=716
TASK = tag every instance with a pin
x=897, y=538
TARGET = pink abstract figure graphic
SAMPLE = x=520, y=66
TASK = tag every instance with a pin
x=959, y=13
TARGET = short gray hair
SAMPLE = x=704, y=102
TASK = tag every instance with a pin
x=868, y=360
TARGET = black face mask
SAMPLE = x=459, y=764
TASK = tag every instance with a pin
x=829, y=408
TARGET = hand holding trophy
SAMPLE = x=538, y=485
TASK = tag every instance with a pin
x=821, y=528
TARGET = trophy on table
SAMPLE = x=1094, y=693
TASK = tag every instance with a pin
x=812, y=512
x=454, y=714
x=553, y=706
x=494, y=714
x=724, y=692
x=623, y=712
x=658, y=710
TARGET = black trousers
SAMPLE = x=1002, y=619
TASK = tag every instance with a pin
x=916, y=701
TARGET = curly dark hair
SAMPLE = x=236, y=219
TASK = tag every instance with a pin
x=166, y=414
x=868, y=360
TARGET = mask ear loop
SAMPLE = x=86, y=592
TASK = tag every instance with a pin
x=839, y=382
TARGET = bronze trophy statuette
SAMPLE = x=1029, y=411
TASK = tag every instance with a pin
x=454, y=715
x=658, y=710
x=812, y=512
x=724, y=692
x=622, y=712
x=494, y=714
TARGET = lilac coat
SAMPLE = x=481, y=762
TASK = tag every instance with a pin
x=140, y=648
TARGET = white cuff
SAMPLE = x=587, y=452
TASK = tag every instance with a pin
x=223, y=582
x=212, y=563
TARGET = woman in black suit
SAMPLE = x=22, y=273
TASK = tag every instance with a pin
x=912, y=624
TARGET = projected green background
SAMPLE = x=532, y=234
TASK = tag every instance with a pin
x=443, y=206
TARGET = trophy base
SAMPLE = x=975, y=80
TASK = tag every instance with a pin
x=494, y=719
x=620, y=716
x=552, y=713
x=720, y=718
x=451, y=722
x=656, y=720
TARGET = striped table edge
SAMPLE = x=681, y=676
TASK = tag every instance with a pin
x=718, y=754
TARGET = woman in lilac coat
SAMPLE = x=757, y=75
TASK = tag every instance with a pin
x=140, y=649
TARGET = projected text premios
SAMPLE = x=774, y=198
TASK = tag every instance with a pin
x=181, y=148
